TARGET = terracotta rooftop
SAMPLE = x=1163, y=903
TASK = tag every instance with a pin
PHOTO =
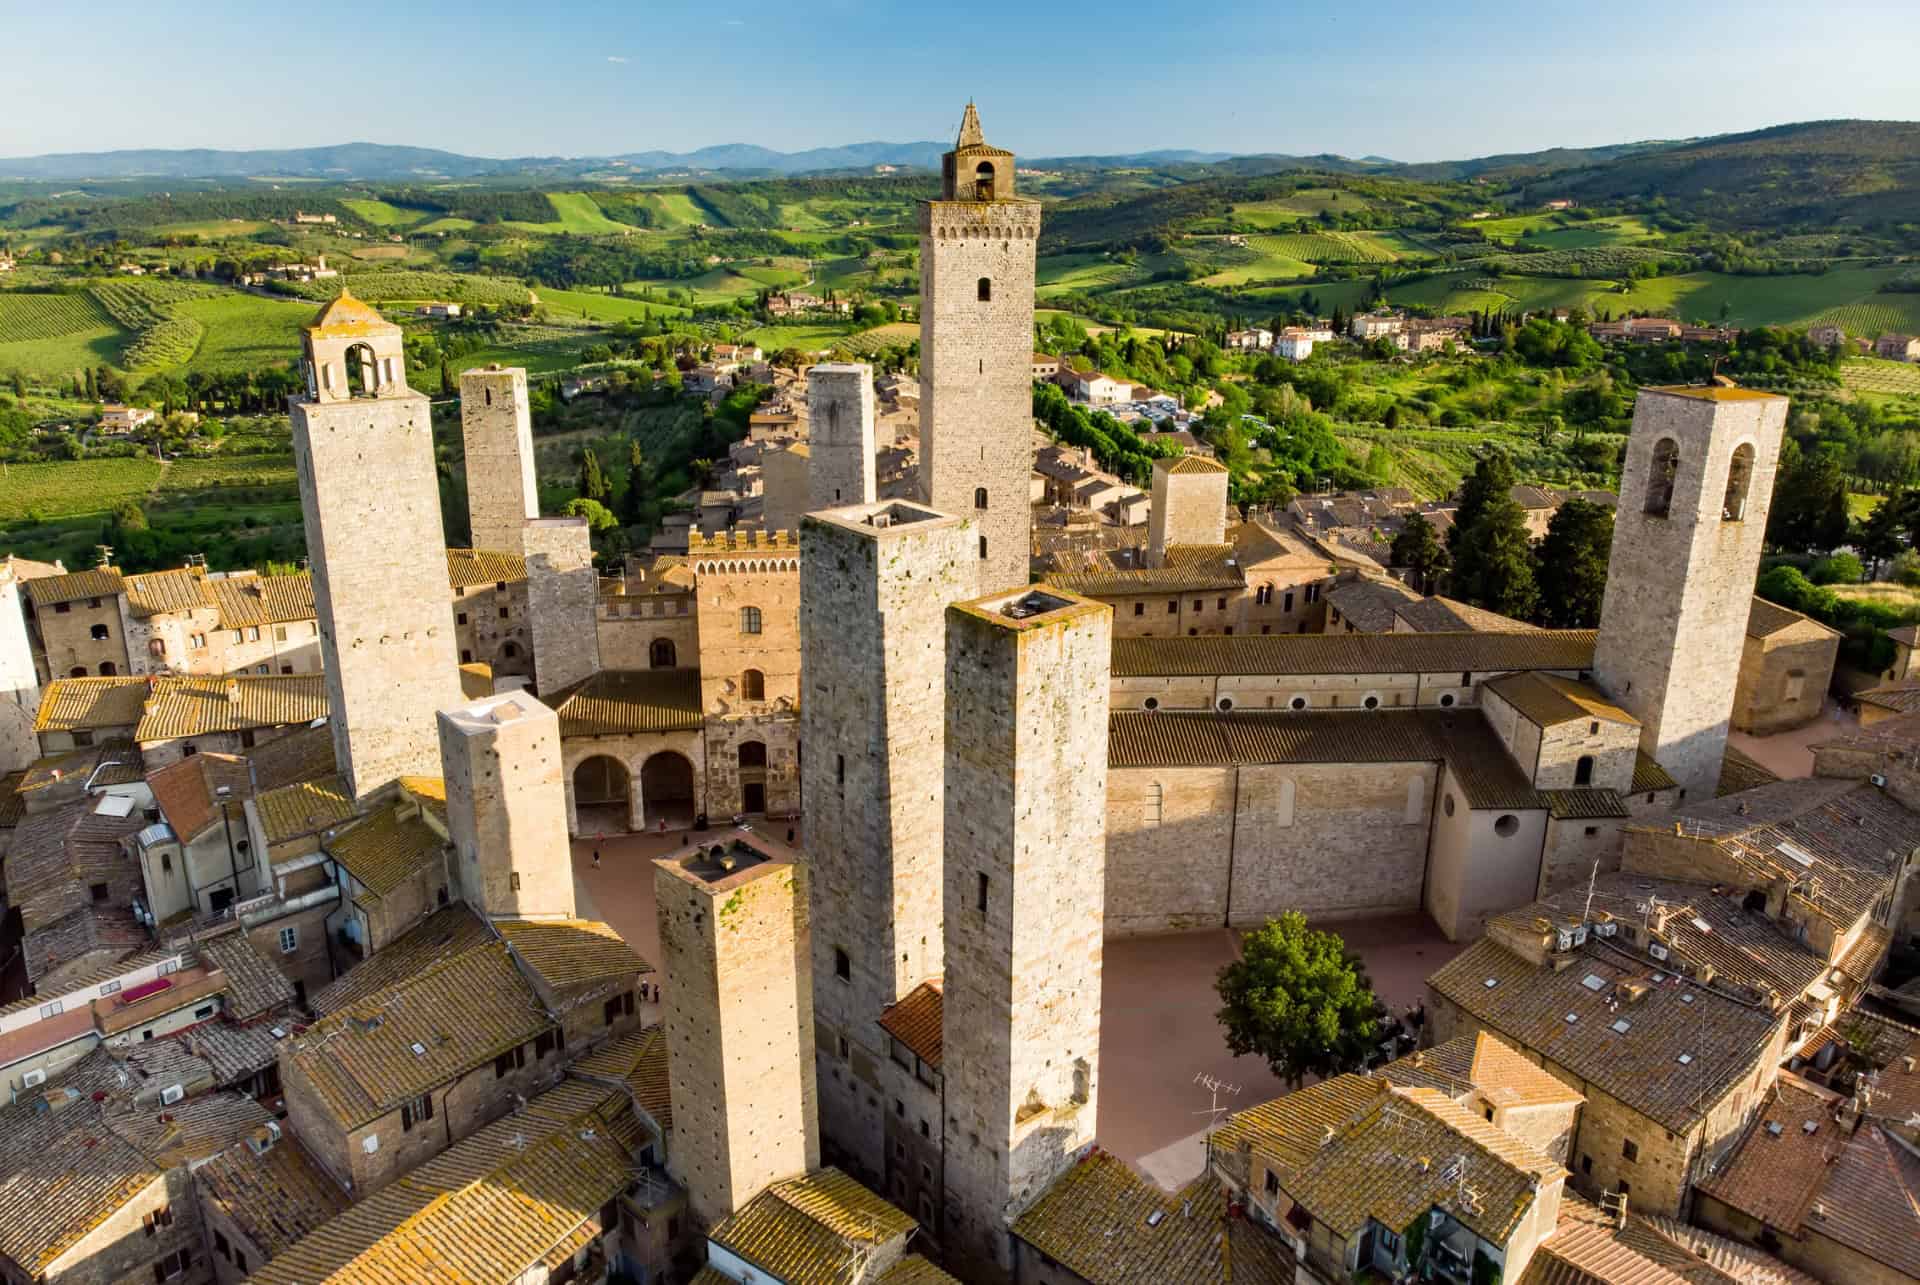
x=188, y=791
x=1713, y=393
x=470, y=568
x=620, y=702
x=571, y=952
x=801, y=1231
x=1902, y=697
x=1547, y=700
x=100, y=582
x=200, y=706
x=347, y=318
x=1186, y=464
x=157, y=592
x=1740, y=771
x=370, y=1056
x=91, y=704
x=1369, y=603
x=255, y=984
x=1436, y=653
x=446, y=934
x=1765, y=619
x=275, y=1197
x=638, y=1060
x=263, y=600
x=916, y=1021
x=304, y=755
x=1103, y=1222
x=387, y=847
x=306, y=807
x=111, y=760
x=1648, y=775
x=529, y=1180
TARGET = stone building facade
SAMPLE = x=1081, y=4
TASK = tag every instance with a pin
x=1786, y=666
x=977, y=247
x=497, y=431
x=1025, y=840
x=372, y=507
x=1189, y=505
x=563, y=596
x=839, y=435
x=748, y=618
x=506, y=807
x=734, y=937
x=19, y=680
x=875, y=581
x=1687, y=537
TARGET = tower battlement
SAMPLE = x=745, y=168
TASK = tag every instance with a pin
x=734, y=543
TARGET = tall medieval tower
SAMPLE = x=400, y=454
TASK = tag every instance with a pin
x=507, y=806
x=976, y=352
x=839, y=435
x=1686, y=548
x=875, y=580
x=497, y=431
x=1025, y=835
x=363, y=448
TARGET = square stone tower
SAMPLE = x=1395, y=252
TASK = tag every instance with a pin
x=1189, y=505
x=874, y=584
x=976, y=352
x=839, y=435
x=1026, y=791
x=1686, y=549
x=563, y=599
x=363, y=448
x=507, y=806
x=498, y=431
x=733, y=931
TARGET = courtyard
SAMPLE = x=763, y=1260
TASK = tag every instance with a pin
x=1158, y=1034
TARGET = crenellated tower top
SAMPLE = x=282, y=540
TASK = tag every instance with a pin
x=973, y=171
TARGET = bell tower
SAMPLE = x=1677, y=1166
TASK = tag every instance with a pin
x=363, y=450
x=1694, y=496
x=976, y=352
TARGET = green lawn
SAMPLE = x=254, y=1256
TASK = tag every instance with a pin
x=213, y=229
x=591, y=305
x=805, y=338
x=379, y=213
x=72, y=488
x=245, y=332
x=574, y=212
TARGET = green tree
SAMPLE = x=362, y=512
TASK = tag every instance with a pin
x=129, y=516
x=593, y=483
x=1493, y=562
x=1809, y=501
x=640, y=506
x=1491, y=479
x=1298, y=999
x=1571, y=568
x=1419, y=549
x=598, y=517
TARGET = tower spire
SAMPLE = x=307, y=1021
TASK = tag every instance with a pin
x=970, y=135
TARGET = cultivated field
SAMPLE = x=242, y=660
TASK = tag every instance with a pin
x=1326, y=247
x=70, y=488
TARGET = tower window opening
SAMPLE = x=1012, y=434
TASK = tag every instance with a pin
x=749, y=620
x=984, y=289
x=979, y=497
x=980, y=894
x=1583, y=770
x=983, y=183
x=983, y=548
x=753, y=685
x=489, y=396
x=1739, y=478
x=1665, y=467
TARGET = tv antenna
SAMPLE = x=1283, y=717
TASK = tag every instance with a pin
x=1218, y=1088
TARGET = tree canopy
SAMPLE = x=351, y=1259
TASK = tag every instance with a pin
x=1571, y=569
x=1298, y=999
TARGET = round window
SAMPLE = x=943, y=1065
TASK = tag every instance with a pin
x=1152, y=702
x=1507, y=825
x=1446, y=701
x=1225, y=703
x=1298, y=702
x=1446, y=805
x=1371, y=702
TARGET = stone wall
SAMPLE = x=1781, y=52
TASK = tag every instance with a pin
x=1784, y=679
x=122, y=1248
x=506, y=807
x=1482, y=861
x=563, y=598
x=1670, y=651
x=1189, y=506
x=67, y=641
x=976, y=388
x=739, y=1025
x=1025, y=839
x=875, y=581
x=19, y=680
x=498, y=434
x=627, y=626
x=490, y=626
x=762, y=574
x=839, y=435
x=632, y=752
x=371, y=502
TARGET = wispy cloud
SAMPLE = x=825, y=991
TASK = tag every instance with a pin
x=615, y=58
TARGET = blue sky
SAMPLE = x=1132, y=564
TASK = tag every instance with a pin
x=1419, y=81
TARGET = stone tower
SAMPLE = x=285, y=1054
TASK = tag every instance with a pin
x=1025, y=807
x=839, y=435
x=976, y=352
x=563, y=600
x=733, y=933
x=498, y=432
x=507, y=806
x=363, y=448
x=1686, y=548
x=874, y=584
x=1189, y=505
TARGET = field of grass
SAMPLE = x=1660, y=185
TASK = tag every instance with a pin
x=196, y=473
x=1844, y=296
x=1326, y=247
x=1860, y=507
x=591, y=305
x=896, y=334
x=26, y=317
x=418, y=287
x=574, y=212
x=1883, y=593
x=1068, y=273
x=675, y=209
x=805, y=338
x=45, y=336
x=1307, y=203
x=1256, y=264
x=379, y=213
x=447, y=223
x=245, y=332
x=1510, y=227
x=72, y=488
x=778, y=275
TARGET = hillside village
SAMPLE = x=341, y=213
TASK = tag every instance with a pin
x=321, y=954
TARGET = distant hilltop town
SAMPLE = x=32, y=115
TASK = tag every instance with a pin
x=312, y=880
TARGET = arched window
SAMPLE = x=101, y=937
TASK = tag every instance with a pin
x=753, y=685
x=985, y=289
x=1739, y=478
x=1664, y=468
x=753, y=754
x=983, y=180
x=509, y=650
x=1263, y=596
x=660, y=653
x=100, y=633
x=78, y=671
x=979, y=497
x=107, y=669
x=361, y=356
x=1583, y=770
x=749, y=620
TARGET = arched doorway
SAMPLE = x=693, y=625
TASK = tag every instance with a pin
x=753, y=776
x=601, y=789
x=666, y=791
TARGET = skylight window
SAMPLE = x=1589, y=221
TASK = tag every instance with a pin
x=1491, y=982
x=1594, y=982
x=419, y=1049
x=1622, y=1026
x=1685, y=1059
x=1573, y=1017
x=1658, y=978
x=1702, y=924
x=1687, y=998
x=1794, y=852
